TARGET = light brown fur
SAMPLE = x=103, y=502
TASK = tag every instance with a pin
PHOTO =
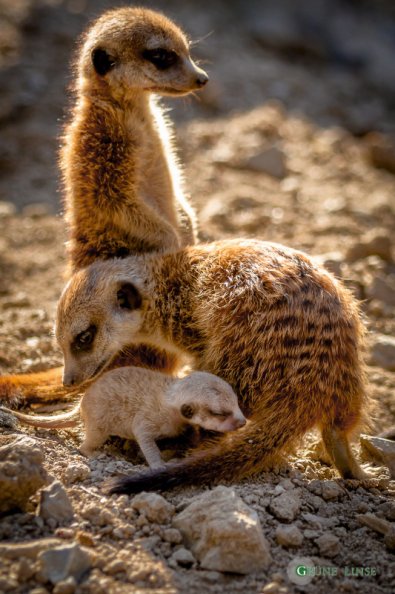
x=281, y=330
x=145, y=405
x=123, y=187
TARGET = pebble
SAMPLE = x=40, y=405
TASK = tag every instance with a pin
x=380, y=449
x=331, y=490
x=55, y=504
x=154, y=507
x=382, y=289
x=183, y=557
x=382, y=353
x=286, y=506
x=67, y=586
x=223, y=533
x=76, y=471
x=373, y=244
x=289, y=536
x=270, y=160
x=60, y=563
x=328, y=544
x=172, y=535
x=21, y=472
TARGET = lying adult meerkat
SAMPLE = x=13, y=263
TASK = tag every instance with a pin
x=281, y=330
x=145, y=405
x=123, y=187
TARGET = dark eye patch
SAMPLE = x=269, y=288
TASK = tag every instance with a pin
x=102, y=61
x=161, y=58
x=187, y=411
x=84, y=340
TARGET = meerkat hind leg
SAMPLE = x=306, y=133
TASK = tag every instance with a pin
x=92, y=442
x=338, y=448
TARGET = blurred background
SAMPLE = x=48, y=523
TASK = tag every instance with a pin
x=331, y=61
x=292, y=140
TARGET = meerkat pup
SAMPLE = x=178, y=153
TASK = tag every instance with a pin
x=145, y=405
x=123, y=187
x=281, y=330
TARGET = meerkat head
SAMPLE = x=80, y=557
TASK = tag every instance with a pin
x=98, y=313
x=131, y=49
x=207, y=401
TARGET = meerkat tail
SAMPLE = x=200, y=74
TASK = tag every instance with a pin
x=33, y=387
x=68, y=419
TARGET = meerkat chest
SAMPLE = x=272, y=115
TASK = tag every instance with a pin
x=153, y=175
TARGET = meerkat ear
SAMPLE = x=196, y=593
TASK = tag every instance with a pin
x=187, y=411
x=128, y=297
x=102, y=61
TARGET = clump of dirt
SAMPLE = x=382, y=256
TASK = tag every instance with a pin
x=274, y=150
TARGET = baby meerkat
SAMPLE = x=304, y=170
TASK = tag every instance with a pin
x=122, y=180
x=280, y=329
x=145, y=405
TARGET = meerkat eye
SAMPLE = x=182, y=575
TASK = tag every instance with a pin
x=128, y=297
x=187, y=411
x=83, y=341
x=221, y=414
x=161, y=58
x=102, y=61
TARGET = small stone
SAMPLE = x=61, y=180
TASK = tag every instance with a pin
x=67, y=586
x=116, y=566
x=382, y=289
x=380, y=449
x=154, y=507
x=55, y=504
x=328, y=544
x=7, y=209
x=373, y=244
x=223, y=533
x=331, y=490
x=76, y=471
x=21, y=472
x=289, y=536
x=183, y=557
x=85, y=539
x=172, y=535
x=60, y=563
x=286, y=506
x=382, y=353
x=26, y=570
x=270, y=160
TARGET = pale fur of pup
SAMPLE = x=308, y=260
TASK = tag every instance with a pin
x=144, y=405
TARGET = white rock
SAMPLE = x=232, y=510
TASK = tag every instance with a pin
x=289, y=536
x=328, y=544
x=76, y=471
x=331, y=490
x=223, y=533
x=55, y=504
x=270, y=160
x=21, y=472
x=286, y=506
x=154, y=507
x=58, y=564
x=382, y=353
x=380, y=449
x=183, y=557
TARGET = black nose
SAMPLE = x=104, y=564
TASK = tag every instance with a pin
x=202, y=80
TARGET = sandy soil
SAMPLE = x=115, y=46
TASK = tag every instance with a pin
x=279, y=147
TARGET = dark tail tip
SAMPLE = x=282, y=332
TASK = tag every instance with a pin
x=150, y=480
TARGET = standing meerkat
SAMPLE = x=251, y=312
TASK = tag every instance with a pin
x=123, y=187
x=145, y=405
x=282, y=331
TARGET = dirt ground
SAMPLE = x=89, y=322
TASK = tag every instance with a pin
x=293, y=142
